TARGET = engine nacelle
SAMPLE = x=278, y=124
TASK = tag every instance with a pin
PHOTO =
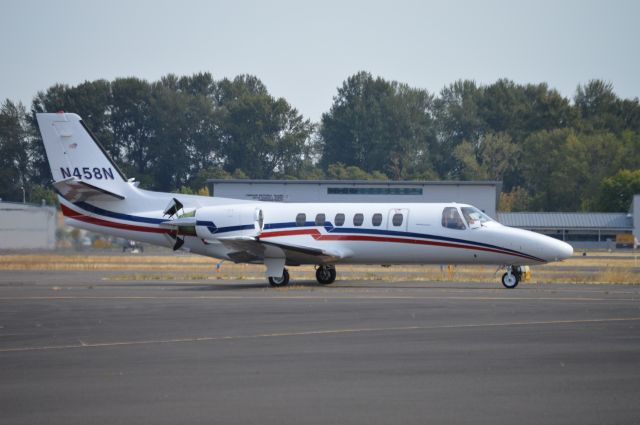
x=229, y=220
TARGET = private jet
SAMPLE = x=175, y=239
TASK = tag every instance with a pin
x=96, y=196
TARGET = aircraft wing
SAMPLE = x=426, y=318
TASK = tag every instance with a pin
x=254, y=249
x=75, y=190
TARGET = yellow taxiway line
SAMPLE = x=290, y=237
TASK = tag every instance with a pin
x=83, y=344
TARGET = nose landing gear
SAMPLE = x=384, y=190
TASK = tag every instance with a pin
x=512, y=277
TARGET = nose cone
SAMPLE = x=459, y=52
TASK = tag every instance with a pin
x=558, y=250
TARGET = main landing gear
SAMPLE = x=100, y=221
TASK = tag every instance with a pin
x=326, y=275
x=512, y=277
x=278, y=282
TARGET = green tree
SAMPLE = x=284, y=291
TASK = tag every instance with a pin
x=468, y=167
x=374, y=124
x=39, y=194
x=263, y=136
x=339, y=171
x=457, y=118
x=599, y=107
x=554, y=167
x=499, y=155
x=169, y=147
x=630, y=150
x=492, y=156
x=516, y=200
x=604, y=155
x=617, y=191
x=14, y=151
x=131, y=126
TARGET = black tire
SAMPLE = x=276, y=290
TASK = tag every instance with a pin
x=326, y=275
x=280, y=282
x=510, y=280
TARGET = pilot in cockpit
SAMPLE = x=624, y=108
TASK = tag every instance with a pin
x=451, y=219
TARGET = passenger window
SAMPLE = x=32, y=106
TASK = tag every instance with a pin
x=339, y=220
x=397, y=219
x=358, y=219
x=301, y=219
x=320, y=219
x=376, y=220
x=451, y=219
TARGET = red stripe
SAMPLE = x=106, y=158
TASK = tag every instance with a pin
x=313, y=232
x=68, y=212
x=319, y=236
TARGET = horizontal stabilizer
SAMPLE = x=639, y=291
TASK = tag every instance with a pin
x=75, y=190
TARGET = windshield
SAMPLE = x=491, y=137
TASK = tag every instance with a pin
x=475, y=216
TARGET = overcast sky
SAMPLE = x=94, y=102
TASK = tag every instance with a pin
x=303, y=51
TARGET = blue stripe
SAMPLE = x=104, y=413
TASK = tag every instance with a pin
x=119, y=216
x=431, y=237
x=272, y=226
x=210, y=225
x=368, y=231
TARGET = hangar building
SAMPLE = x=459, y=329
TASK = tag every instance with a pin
x=581, y=230
x=482, y=194
x=25, y=226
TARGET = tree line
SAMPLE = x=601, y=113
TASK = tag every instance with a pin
x=552, y=153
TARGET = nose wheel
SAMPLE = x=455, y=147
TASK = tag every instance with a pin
x=326, y=275
x=512, y=277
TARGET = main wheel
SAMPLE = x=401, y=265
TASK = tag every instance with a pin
x=326, y=275
x=277, y=282
x=510, y=280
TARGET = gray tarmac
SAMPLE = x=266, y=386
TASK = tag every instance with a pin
x=78, y=349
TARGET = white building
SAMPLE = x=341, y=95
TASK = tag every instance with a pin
x=581, y=230
x=24, y=226
x=482, y=194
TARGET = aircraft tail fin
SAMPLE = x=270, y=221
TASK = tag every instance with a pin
x=76, y=157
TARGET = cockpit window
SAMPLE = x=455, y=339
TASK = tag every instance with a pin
x=474, y=216
x=451, y=219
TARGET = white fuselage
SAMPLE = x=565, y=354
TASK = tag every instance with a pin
x=368, y=235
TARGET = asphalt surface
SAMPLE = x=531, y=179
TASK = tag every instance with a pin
x=75, y=349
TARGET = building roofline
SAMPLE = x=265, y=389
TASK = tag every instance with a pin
x=607, y=221
x=369, y=182
x=23, y=205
